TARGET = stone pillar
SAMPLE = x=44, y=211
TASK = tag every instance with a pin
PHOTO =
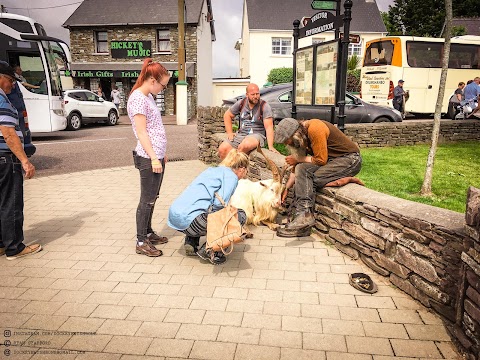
x=209, y=122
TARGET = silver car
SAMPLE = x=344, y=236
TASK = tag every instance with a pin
x=357, y=111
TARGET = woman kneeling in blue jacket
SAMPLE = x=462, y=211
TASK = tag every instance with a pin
x=189, y=211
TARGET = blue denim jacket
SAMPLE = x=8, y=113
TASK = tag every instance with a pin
x=199, y=196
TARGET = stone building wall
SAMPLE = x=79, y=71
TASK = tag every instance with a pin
x=419, y=248
x=82, y=43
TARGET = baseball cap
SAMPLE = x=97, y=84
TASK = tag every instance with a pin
x=6, y=69
x=401, y=80
x=285, y=130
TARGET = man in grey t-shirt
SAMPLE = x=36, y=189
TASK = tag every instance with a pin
x=256, y=124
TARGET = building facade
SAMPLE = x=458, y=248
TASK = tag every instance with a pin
x=109, y=50
x=267, y=27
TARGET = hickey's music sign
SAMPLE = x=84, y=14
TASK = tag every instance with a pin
x=131, y=49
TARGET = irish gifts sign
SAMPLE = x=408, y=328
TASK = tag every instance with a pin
x=131, y=49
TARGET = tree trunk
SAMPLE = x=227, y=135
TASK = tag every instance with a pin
x=427, y=181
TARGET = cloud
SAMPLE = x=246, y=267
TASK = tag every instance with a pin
x=51, y=18
x=228, y=28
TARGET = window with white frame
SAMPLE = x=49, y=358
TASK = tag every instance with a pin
x=101, y=42
x=355, y=49
x=163, y=40
x=281, y=46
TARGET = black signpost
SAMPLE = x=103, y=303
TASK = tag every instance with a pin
x=320, y=22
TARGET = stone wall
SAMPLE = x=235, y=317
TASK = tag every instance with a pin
x=418, y=247
x=412, y=132
x=467, y=326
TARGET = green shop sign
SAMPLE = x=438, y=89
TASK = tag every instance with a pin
x=130, y=49
x=106, y=73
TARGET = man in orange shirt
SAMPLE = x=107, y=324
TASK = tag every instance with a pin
x=321, y=154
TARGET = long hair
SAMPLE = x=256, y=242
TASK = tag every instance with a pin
x=150, y=69
x=300, y=142
x=236, y=159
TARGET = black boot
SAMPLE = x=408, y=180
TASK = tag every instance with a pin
x=191, y=245
x=300, y=226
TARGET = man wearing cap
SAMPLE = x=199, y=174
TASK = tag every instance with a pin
x=321, y=154
x=256, y=124
x=12, y=160
x=398, y=94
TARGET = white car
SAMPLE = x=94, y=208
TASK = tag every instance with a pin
x=83, y=106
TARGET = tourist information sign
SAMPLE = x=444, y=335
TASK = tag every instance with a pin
x=320, y=22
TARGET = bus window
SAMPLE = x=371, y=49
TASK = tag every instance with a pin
x=33, y=72
x=55, y=82
x=464, y=56
x=424, y=54
x=379, y=53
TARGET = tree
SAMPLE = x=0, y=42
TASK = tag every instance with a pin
x=424, y=17
x=427, y=181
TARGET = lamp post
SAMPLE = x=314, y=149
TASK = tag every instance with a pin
x=347, y=17
x=296, y=25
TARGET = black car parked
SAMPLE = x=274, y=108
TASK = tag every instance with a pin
x=279, y=97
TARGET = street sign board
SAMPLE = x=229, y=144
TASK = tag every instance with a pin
x=320, y=22
x=324, y=5
x=353, y=38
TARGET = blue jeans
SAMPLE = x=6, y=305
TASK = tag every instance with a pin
x=150, y=184
x=11, y=205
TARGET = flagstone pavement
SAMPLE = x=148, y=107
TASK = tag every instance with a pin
x=87, y=295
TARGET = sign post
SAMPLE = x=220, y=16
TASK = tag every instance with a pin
x=296, y=24
x=318, y=23
x=347, y=17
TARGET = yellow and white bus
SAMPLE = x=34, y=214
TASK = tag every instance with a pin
x=418, y=61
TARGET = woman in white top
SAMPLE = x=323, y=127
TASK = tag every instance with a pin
x=149, y=154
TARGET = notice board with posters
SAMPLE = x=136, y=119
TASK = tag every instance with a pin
x=326, y=72
x=304, y=76
x=315, y=74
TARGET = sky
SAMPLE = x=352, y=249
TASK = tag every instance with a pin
x=226, y=13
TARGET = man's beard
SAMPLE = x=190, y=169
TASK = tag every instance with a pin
x=296, y=152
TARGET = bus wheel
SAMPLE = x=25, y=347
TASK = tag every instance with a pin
x=74, y=121
x=381, y=120
x=112, y=118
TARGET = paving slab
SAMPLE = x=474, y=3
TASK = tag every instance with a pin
x=91, y=296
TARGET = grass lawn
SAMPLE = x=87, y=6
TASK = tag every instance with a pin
x=399, y=171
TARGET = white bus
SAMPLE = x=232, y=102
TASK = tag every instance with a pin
x=24, y=42
x=418, y=61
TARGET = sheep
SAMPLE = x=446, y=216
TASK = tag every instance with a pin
x=261, y=200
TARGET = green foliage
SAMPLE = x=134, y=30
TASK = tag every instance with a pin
x=424, y=17
x=281, y=148
x=459, y=30
x=280, y=75
x=353, y=80
x=388, y=24
x=353, y=62
x=399, y=171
